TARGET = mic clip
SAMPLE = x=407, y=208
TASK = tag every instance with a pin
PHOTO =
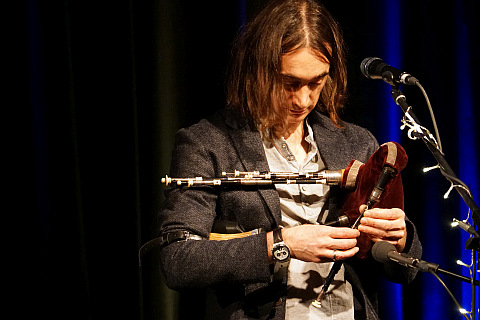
x=387, y=76
x=404, y=78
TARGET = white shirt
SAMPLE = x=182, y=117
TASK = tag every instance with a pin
x=302, y=204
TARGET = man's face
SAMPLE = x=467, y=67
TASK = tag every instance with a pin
x=304, y=73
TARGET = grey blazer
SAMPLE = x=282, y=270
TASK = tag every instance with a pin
x=237, y=272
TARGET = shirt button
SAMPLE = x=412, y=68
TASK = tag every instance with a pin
x=304, y=188
x=291, y=158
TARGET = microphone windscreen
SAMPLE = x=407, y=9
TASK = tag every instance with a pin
x=380, y=251
x=367, y=65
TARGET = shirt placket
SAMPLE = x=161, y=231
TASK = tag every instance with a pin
x=293, y=163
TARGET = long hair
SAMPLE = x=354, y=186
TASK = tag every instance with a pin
x=254, y=83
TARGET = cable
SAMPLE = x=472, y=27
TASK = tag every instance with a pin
x=450, y=293
x=437, y=135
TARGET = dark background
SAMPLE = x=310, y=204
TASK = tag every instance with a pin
x=96, y=91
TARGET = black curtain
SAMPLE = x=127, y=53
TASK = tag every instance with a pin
x=99, y=89
x=82, y=180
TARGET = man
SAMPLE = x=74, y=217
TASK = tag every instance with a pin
x=287, y=83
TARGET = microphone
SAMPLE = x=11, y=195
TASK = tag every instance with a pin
x=376, y=68
x=383, y=251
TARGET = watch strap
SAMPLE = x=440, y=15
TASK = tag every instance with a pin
x=280, y=269
x=277, y=235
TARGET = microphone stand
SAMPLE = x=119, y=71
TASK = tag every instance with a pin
x=456, y=276
x=446, y=170
x=473, y=243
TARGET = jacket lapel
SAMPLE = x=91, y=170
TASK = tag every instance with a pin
x=249, y=146
x=328, y=139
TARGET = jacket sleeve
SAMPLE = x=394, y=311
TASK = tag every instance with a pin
x=200, y=263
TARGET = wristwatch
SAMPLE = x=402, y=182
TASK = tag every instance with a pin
x=281, y=256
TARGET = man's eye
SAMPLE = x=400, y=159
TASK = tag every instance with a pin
x=292, y=85
x=313, y=85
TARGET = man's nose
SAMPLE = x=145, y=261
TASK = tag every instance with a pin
x=301, y=97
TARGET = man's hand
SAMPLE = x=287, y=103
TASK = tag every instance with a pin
x=317, y=243
x=385, y=225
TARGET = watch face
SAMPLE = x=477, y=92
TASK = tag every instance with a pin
x=281, y=253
